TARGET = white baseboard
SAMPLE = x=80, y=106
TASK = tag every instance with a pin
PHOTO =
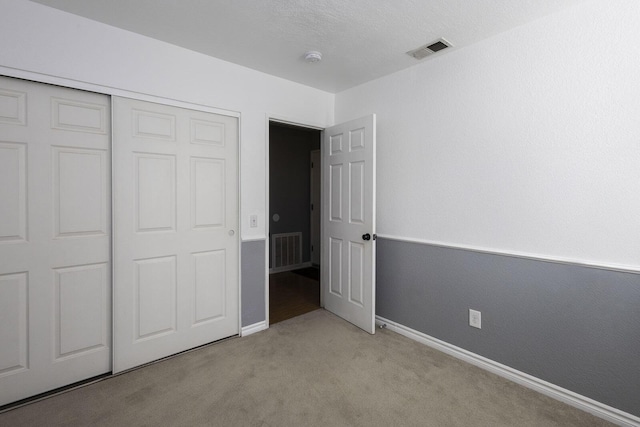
x=576, y=400
x=252, y=329
x=289, y=267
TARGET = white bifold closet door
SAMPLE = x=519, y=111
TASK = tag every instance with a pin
x=55, y=217
x=175, y=230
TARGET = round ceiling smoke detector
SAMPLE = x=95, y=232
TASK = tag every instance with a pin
x=313, y=56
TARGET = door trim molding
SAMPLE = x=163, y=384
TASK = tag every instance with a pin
x=556, y=392
x=271, y=117
x=110, y=90
x=295, y=122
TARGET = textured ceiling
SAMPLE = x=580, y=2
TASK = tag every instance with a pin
x=360, y=39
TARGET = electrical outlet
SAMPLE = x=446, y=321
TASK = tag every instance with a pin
x=253, y=221
x=475, y=319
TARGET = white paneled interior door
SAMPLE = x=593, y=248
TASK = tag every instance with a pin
x=175, y=230
x=349, y=222
x=55, y=226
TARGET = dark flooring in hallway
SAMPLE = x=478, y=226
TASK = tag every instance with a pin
x=292, y=294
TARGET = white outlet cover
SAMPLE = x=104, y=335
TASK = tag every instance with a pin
x=475, y=319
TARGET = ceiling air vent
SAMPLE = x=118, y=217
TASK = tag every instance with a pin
x=429, y=49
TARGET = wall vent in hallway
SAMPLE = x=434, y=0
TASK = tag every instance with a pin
x=286, y=251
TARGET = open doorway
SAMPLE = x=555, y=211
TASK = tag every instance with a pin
x=294, y=221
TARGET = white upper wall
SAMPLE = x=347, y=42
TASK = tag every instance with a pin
x=527, y=142
x=66, y=49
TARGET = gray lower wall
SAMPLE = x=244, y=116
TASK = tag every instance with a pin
x=253, y=285
x=574, y=326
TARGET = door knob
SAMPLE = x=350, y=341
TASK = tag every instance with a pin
x=366, y=236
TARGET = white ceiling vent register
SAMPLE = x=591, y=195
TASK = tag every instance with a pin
x=429, y=49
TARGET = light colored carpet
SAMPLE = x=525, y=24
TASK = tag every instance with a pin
x=313, y=370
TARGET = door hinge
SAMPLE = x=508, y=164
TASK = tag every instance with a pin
x=311, y=248
x=311, y=206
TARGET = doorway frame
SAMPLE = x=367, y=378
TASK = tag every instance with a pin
x=316, y=210
x=294, y=122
